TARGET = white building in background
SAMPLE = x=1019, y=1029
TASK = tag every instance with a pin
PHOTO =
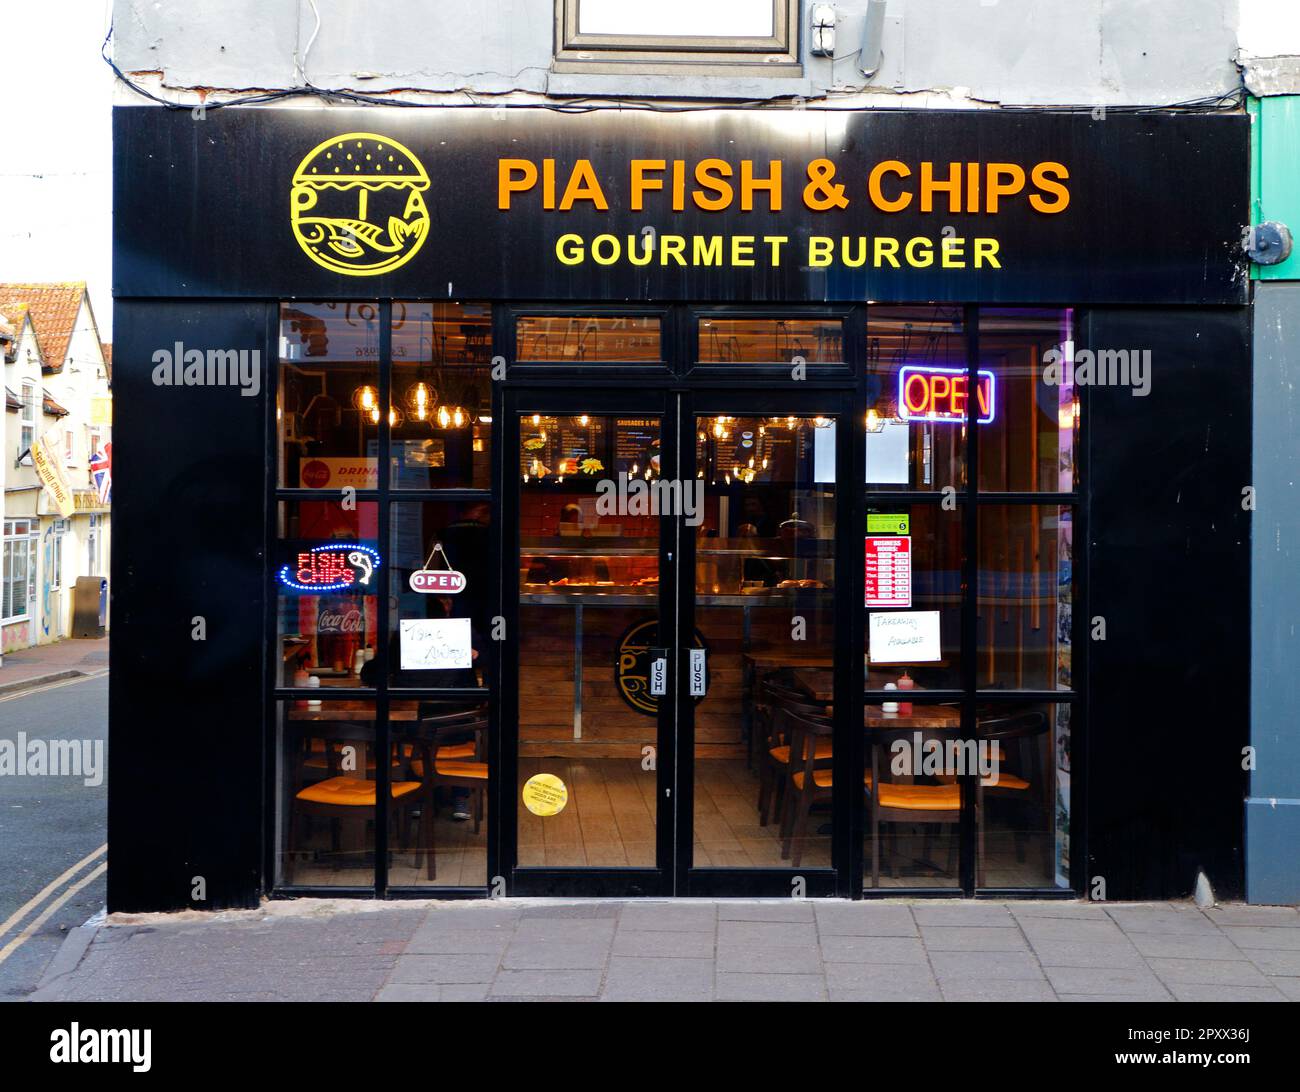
x=57, y=390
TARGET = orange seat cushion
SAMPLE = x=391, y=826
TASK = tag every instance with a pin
x=821, y=749
x=821, y=779
x=351, y=792
x=920, y=797
x=1007, y=781
x=463, y=769
x=458, y=750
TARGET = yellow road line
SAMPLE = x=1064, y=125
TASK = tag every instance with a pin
x=40, y=920
x=48, y=889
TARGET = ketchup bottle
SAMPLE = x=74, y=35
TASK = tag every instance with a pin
x=905, y=683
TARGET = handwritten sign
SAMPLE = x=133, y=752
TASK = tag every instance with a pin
x=903, y=637
x=435, y=644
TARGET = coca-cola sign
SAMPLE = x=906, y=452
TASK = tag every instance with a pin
x=330, y=621
x=437, y=581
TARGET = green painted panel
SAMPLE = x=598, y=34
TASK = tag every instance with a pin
x=1275, y=174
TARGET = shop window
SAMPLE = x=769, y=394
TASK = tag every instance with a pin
x=916, y=428
x=327, y=409
x=1025, y=608
x=440, y=580
x=442, y=395
x=770, y=340
x=912, y=558
x=328, y=574
x=1031, y=441
x=588, y=339
x=758, y=36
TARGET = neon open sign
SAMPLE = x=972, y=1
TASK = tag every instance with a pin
x=331, y=567
x=928, y=393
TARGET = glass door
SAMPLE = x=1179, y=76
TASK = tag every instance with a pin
x=590, y=800
x=760, y=604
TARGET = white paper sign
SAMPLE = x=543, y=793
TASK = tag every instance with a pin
x=903, y=637
x=433, y=644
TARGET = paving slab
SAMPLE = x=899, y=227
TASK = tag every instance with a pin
x=698, y=950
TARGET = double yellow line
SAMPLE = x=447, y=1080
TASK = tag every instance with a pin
x=55, y=903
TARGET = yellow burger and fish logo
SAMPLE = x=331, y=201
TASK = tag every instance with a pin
x=357, y=204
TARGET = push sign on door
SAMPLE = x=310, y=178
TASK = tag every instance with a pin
x=659, y=673
x=698, y=675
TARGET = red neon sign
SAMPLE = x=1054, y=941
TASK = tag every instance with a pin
x=928, y=393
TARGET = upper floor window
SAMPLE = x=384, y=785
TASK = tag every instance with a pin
x=670, y=37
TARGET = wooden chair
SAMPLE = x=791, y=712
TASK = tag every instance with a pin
x=457, y=762
x=809, y=777
x=774, y=764
x=896, y=802
x=338, y=796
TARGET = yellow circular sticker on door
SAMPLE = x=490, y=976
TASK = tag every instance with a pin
x=357, y=204
x=545, y=794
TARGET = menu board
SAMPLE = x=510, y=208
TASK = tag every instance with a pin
x=633, y=440
x=888, y=571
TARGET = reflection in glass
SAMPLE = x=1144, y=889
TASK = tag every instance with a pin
x=1030, y=445
x=1023, y=801
x=1025, y=605
x=326, y=601
x=442, y=395
x=584, y=339
x=913, y=800
x=770, y=340
x=764, y=596
x=905, y=450
x=588, y=616
x=327, y=404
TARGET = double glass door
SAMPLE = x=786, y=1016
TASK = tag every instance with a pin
x=670, y=552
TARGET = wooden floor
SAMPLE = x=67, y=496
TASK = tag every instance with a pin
x=610, y=821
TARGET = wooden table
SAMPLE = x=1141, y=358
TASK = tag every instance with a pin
x=922, y=716
x=819, y=684
x=351, y=709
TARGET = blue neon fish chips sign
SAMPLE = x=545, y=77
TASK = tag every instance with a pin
x=332, y=567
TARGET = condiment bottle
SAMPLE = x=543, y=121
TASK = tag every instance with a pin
x=905, y=683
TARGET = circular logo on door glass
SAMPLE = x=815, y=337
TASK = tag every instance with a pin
x=545, y=794
x=357, y=204
x=632, y=665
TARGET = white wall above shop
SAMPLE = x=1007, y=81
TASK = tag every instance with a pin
x=935, y=52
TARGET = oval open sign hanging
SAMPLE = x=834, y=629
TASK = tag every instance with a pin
x=437, y=581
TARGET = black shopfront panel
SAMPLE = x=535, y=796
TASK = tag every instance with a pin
x=205, y=251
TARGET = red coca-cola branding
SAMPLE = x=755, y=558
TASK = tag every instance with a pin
x=315, y=474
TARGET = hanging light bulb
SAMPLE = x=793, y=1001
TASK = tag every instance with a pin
x=444, y=417
x=395, y=417
x=420, y=400
x=365, y=398
x=583, y=420
x=459, y=418
x=537, y=419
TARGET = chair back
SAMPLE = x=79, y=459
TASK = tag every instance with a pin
x=803, y=731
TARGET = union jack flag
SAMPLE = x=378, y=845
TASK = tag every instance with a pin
x=101, y=473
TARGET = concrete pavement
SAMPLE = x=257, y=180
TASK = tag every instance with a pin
x=66, y=659
x=692, y=950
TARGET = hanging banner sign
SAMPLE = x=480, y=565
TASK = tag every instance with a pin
x=889, y=571
x=55, y=479
x=332, y=567
x=437, y=581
